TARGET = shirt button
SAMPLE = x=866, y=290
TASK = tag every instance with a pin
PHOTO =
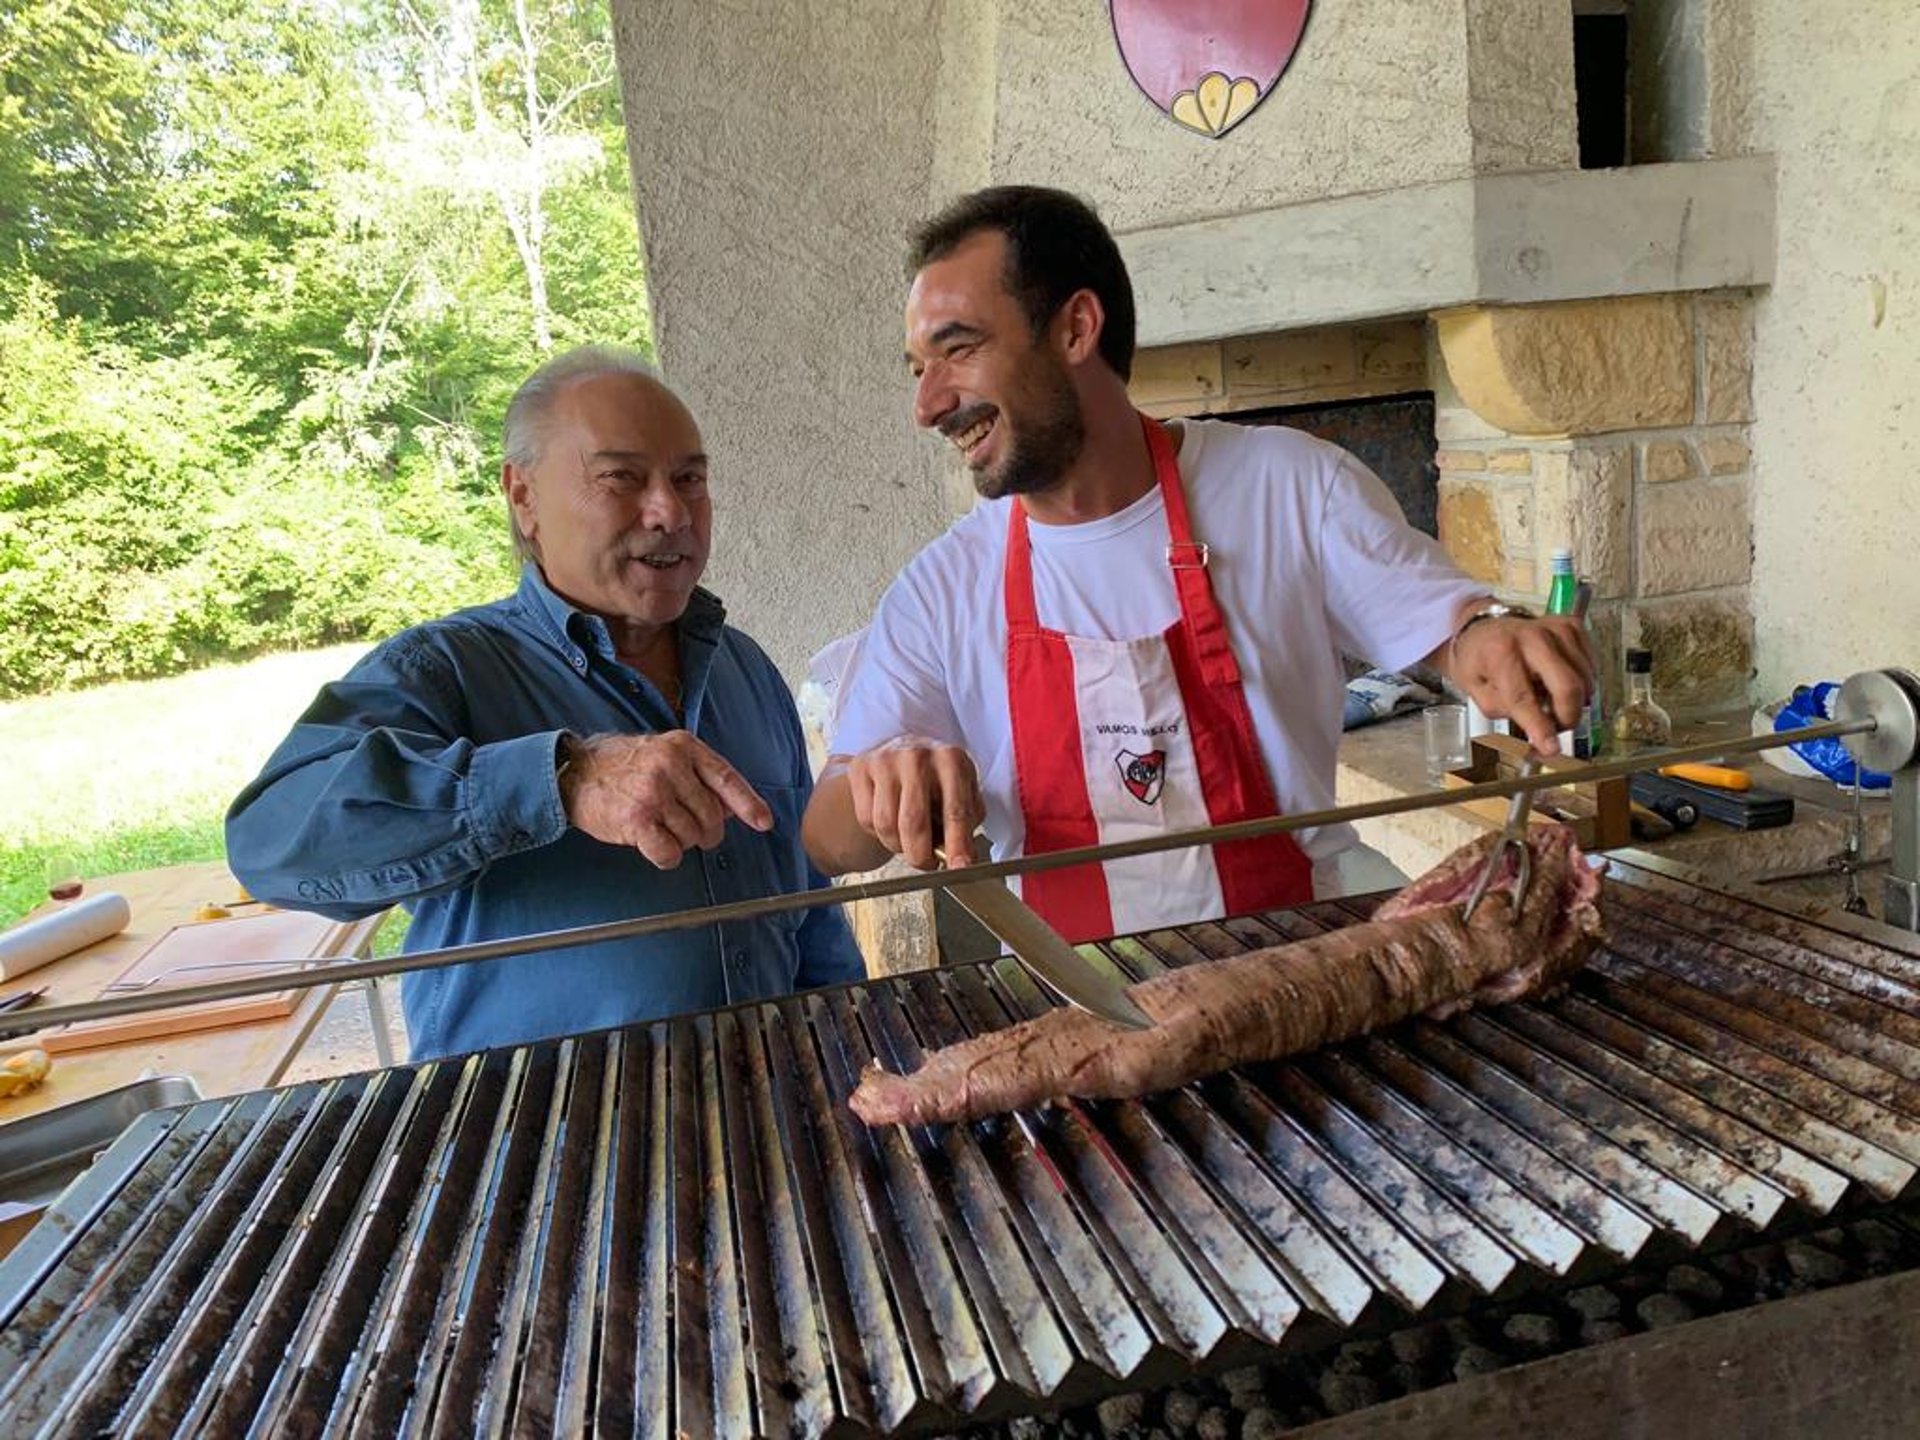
x=723, y=861
x=740, y=959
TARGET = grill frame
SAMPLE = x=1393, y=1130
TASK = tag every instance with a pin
x=719, y=1247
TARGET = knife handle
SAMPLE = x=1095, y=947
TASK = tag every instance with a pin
x=1720, y=777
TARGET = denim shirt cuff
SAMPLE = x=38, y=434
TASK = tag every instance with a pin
x=513, y=795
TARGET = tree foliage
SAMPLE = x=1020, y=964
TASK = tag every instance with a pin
x=269, y=270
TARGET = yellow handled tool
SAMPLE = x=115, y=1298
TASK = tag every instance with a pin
x=1721, y=777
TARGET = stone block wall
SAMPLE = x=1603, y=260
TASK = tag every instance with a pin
x=1617, y=428
x=1634, y=454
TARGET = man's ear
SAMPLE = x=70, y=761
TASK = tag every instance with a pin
x=1078, y=325
x=516, y=483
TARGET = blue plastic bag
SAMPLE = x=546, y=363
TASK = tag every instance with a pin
x=1809, y=705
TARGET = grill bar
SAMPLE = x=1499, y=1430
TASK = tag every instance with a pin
x=681, y=1229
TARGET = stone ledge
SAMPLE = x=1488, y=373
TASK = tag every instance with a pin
x=1387, y=760
x=1490, y=239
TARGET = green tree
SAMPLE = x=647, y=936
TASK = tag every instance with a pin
x=277, y=269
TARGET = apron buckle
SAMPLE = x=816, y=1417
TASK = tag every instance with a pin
x=1187, y=554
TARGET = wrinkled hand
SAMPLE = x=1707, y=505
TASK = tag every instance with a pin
x=1536, y=673
x=661, y=794
x=912, y=794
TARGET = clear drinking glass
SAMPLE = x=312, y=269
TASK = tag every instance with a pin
x=63, y=876
x=1448, y=747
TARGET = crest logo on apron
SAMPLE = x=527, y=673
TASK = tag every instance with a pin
x=1207, y=63
x=1143, y=775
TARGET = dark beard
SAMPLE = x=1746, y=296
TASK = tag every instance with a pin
x=1046, y=444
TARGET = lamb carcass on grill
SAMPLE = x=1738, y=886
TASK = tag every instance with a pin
x=1417, y=956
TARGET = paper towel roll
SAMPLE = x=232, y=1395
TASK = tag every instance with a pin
x=70, y=928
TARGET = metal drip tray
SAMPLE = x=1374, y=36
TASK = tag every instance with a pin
x=40, y=1155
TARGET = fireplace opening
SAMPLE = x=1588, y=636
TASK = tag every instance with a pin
x=1393, y=436
x=1600, y=82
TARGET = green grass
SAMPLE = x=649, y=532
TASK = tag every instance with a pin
x=137, y=775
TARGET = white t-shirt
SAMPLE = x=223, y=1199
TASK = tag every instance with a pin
x=1308, y=554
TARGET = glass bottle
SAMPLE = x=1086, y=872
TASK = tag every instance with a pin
x=1641, y=723
x=1564, y=585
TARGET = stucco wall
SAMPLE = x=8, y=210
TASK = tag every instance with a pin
x=1377, y=96
x=780, y=153
x=1835, y=95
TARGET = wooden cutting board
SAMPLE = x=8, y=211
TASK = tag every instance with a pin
x=267, y=937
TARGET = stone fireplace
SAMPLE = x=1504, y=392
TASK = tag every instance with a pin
x=1614, y=426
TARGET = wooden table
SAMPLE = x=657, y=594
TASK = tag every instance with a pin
x=221, y=1061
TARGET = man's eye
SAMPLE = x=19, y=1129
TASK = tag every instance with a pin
x=692, y=480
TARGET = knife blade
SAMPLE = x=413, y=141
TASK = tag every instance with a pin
x=1051, y=961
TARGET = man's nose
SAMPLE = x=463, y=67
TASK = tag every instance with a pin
x=663, y=507
x=933, y=397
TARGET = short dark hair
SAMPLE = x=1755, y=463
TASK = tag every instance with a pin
x=1056, y=246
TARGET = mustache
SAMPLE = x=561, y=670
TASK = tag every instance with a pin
x=962, y=421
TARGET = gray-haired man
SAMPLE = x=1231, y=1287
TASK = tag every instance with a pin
x=597, y=746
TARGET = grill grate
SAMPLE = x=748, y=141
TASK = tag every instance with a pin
x=681, y=1230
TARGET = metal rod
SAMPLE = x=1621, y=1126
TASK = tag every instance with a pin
x=340, y=972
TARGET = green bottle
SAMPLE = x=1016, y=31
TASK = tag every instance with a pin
x=1584, y=741
x=1565, y=584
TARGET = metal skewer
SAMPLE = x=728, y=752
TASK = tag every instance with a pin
x=341, y=972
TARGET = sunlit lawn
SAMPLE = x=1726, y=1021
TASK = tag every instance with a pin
x=129, y=776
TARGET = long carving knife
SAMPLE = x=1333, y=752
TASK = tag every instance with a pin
x=1051, y=961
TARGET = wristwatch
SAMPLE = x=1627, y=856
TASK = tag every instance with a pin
x=1492, y=610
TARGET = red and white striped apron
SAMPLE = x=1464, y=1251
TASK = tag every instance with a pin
x=1115, y=739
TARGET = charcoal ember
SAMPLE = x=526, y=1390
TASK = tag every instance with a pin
x=1692, y=1283
x=1660, y=1310
x=1247, y=1386
x=1813, y=1264
x=1359, y=1357
x=1599, y=1332
x=1879, y=1242
x=1476, y=1360
x=1343, y=1394
x=1532, y=1334
x=1831, y=1238
x=1419, y=1345
x=1403, y=1379
x=1214, y=1423
x=1120, y=1415
x=1593, y=1302
x=1179, y=1412
x=1461, y=1331
x=1263, y=1423
x=1032, y=1427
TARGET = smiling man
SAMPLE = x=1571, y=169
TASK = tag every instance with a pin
x=598, y=746
x=1140, y=628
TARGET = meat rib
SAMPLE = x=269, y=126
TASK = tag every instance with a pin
x=1416, y=956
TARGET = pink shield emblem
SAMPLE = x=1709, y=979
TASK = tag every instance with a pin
x=1207, y=63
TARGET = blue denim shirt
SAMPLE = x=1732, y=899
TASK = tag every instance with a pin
x=426, y=777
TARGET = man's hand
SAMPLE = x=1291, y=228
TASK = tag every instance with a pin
x=912, y=794
x=1536, y=673
x=661, y=794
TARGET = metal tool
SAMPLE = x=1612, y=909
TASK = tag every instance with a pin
x=1053, y=962
x=344, y=971
x=1513, y=836
x=1891, y=699
x=127, y=987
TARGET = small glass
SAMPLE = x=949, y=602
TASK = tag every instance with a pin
x=63, y=876
x=1448, y=746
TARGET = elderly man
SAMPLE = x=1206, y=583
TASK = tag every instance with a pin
x=1140, y=630
x=600, y=745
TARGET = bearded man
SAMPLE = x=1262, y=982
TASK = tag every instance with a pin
x=1140, y=629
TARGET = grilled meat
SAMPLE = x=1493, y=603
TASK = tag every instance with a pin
x=1416, y=956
